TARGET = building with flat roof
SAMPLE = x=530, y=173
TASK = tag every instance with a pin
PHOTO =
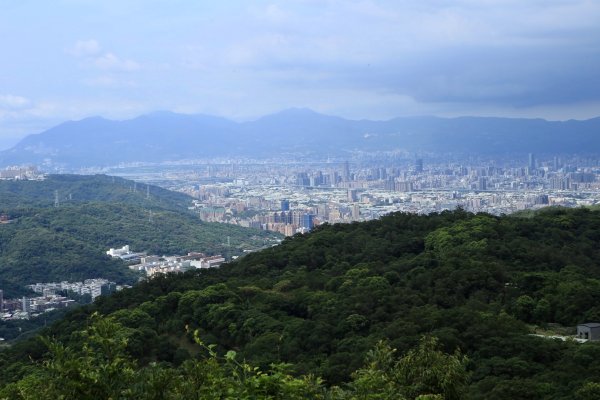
x=589, y=331
x=125, y=254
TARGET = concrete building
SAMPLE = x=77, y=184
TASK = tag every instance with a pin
x=208, y=262
x=352, y=195
x=26, y=304
x=419, y=165
x=125, y=254
x=589, y=330
x=355, y=212
x=531, y=161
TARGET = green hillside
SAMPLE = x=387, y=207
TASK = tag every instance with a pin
x=45, y=243
x=76, y=189
x=323, y=301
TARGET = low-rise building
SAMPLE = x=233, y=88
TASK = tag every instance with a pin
x=125, y=254
x=589, y=331
x=153, y=265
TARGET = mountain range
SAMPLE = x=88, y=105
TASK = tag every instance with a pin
x=166, y=136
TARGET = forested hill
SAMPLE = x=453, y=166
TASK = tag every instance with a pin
x=321, y=301
x=77, y=189
x=44, y=243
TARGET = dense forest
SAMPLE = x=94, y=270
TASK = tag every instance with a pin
x=44, y=243
x=75, y=189
x=466, y=288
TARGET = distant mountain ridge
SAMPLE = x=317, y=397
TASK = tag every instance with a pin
x=166, y=136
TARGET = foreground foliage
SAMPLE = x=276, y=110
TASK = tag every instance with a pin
x=102, y=369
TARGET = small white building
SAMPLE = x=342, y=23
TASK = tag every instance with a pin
x=125, y=254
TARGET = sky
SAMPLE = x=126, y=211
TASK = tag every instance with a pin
x=70, y=59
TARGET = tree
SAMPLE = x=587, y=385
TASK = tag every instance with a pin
x=99, y=370
x=423, y=372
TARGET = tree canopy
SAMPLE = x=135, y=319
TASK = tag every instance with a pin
x=321, y=303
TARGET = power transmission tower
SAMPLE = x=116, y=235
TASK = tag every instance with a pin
x=147, y=191
x=228, y=247
x=56, y=202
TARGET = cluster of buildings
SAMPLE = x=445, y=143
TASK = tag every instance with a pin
x=461, y=176
x=93, y=287
x=294, y=197
x=152, y=264
x=283, y=220
x=27, y=307
x=53, y=296
x=21, y=173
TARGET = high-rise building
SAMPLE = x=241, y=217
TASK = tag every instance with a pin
x=346, y=172
x=26, y=304
x=531, y=163
x=334, y=178
x=482, y=184
x=318, y=177
x=404, y=186
x=352, y=195
x=419, y=165
x=307, y=221
x=284, y=217
x=390, y=183
x=355, y=212
x=302, y=179
x=285, y=205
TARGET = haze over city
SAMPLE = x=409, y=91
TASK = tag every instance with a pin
x=365, y=59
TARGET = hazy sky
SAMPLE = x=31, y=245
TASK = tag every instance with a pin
x=68, y=59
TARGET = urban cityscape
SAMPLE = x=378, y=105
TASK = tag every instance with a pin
x=52, y=296
x=292, y=197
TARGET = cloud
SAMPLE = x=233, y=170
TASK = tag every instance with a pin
x=11, y=102
x=493, y=52
x=93, y=55
x=85, y=48
x=109, y=61
x=108, y=81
